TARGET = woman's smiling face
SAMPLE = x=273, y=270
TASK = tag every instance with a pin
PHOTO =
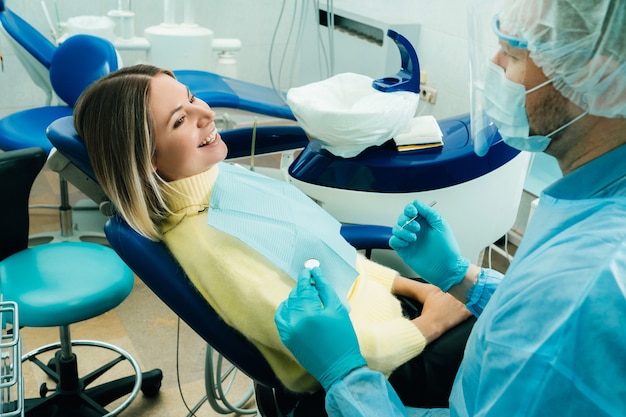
x=186, y=139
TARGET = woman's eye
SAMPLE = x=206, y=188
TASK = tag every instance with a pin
x=179, y=122
x=192, y=99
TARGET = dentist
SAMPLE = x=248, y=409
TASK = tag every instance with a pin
x=551, y=334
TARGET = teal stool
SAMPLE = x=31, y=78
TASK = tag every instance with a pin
x=56, y=285
x=61, y=284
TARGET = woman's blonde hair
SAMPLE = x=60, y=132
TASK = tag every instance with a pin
x=113, y=118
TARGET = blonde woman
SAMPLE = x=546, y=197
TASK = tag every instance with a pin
x=156, y=151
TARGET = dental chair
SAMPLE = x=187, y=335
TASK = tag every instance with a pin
x=75, y=64
x=58, y=285
x=155, y=266
x=153, y=263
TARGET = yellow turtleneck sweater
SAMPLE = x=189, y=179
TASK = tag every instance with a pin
x=245, y=289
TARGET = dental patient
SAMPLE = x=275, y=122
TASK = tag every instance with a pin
x=242, y=237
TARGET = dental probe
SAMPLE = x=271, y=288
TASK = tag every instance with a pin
x=416, y=216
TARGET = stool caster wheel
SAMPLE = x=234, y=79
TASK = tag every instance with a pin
x=43, y=390
x=151, y=390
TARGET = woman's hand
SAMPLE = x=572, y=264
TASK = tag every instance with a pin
x=441, y=312
x=411, y=288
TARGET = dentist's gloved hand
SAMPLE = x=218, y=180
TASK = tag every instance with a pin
x=314, y=325
x=428, y=246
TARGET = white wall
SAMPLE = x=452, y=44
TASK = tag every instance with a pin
x=443, y=52
x=442, y=48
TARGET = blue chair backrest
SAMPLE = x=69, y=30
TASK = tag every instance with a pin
x=27, y=36
x=158, y=269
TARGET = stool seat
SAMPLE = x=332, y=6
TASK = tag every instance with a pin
x=64, y=283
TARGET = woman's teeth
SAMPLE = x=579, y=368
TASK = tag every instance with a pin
x=210, y=139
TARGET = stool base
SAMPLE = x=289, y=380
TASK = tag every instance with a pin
x=73, y=396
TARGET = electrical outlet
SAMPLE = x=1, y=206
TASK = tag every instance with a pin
x=428, y=94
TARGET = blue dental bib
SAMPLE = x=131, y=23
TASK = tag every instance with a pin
x=281, y=223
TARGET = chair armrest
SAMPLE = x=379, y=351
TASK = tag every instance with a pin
x=269, y=139
x=59, y=163
x=367, y=236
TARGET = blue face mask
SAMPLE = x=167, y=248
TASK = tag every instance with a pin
x=505, y=103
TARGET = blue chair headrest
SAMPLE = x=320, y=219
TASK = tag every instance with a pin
x=78, y=62
x=64, y=137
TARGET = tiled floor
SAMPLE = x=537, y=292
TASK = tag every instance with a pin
x=142, y=325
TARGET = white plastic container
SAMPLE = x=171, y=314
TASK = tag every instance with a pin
x=180, y=47
x=480, y=211
x=100, y=26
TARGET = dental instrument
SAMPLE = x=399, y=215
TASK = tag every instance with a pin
x=406, y=223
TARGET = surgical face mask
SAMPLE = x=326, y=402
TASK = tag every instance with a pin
x=505, y=104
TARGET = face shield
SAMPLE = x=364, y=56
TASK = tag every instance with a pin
x=489, y=46
x=578, y=44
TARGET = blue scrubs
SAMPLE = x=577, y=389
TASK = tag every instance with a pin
x=552, y=339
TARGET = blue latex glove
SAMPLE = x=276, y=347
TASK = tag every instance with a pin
x=315, y=327
x=427, y=245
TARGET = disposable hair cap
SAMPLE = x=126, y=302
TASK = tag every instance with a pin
x=579, y=44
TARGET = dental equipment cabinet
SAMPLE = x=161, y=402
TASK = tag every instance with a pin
x=478, y=196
